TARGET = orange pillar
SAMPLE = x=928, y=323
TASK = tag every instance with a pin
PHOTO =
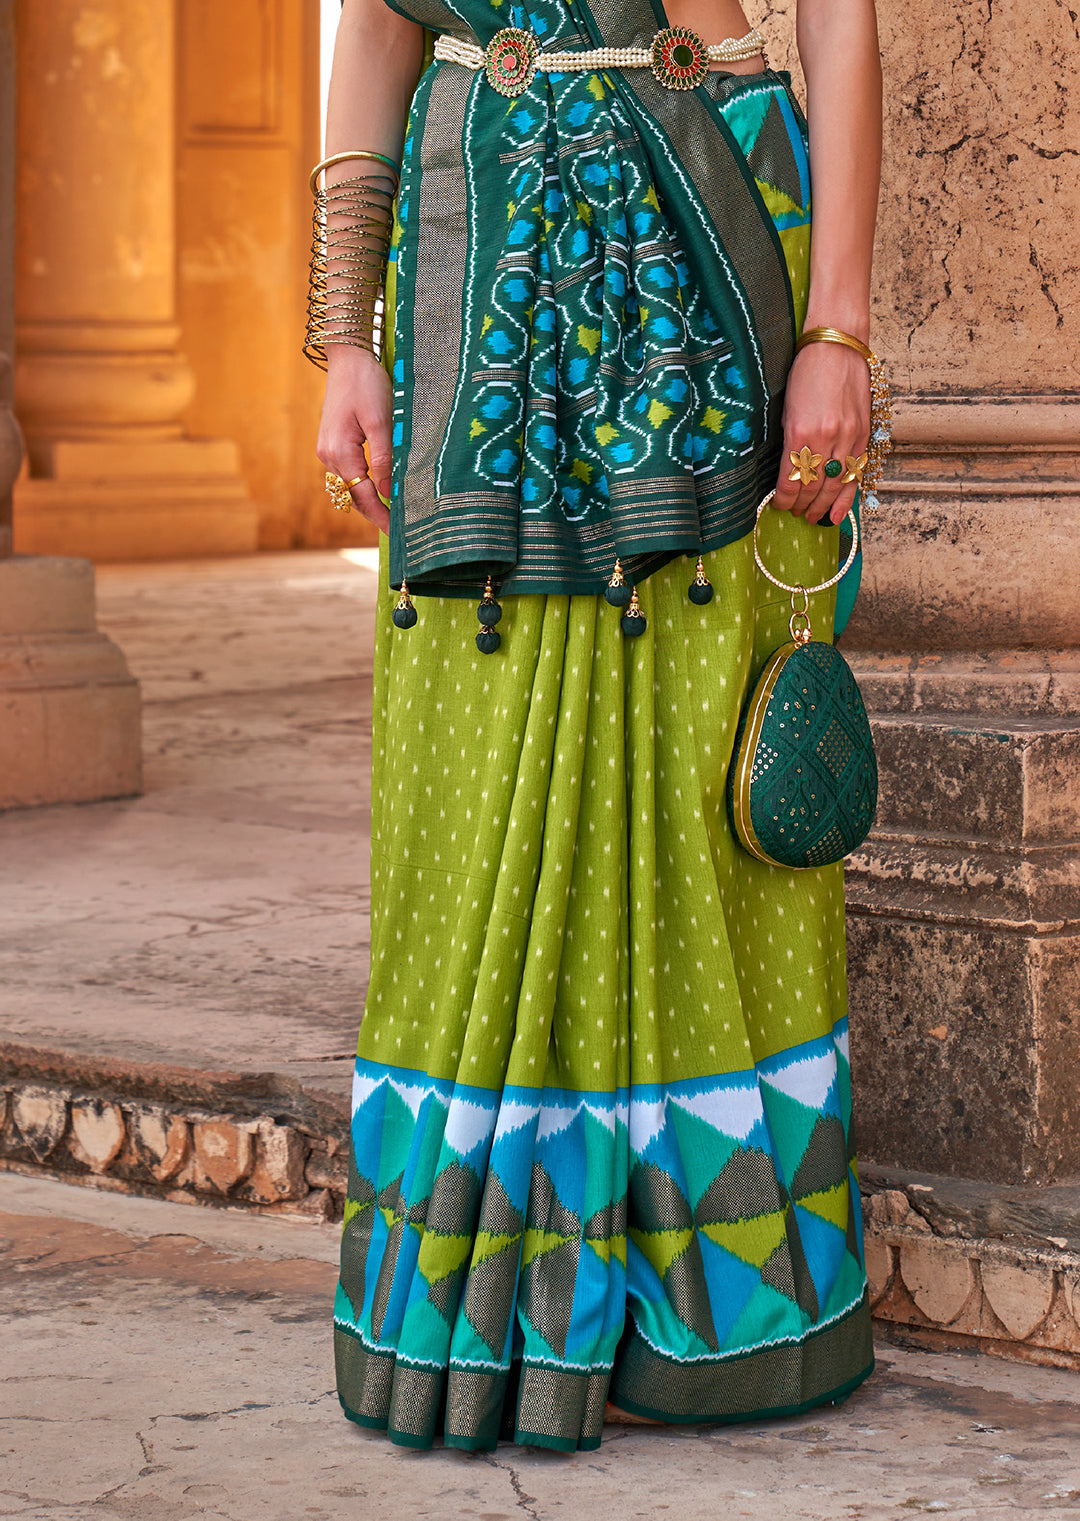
x=248, y=123
x=10, y=439
x=101, y=386
x=248, y=134
x=69, y=707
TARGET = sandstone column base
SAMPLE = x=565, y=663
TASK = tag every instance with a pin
x=70, y=711
x=964, y=927
x=964, y=948
x=137, y=500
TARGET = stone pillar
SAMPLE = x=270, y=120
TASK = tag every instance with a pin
x=965, y=903
x=248, y=134
x=100, y=383
x=10, y=439
x=69, y=709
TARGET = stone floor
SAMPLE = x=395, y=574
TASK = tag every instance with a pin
x=165, y=1361
x=244, y=864
x=161, y=1362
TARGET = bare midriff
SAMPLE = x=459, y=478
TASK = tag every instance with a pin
x=713, y=20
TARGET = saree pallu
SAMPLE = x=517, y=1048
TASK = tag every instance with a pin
x=597, y=293
x=600, y=1145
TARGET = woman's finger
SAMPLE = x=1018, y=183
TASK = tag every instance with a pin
x=787, y=492
x=795, y=496
x=380, y=459
x=835, y=504
x=798, y=495
x=350, y=461
x=347, y=459
x=367, y=501
x=842, y=506
x=828, y=486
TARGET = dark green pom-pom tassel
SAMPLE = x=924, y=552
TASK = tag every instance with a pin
x=701, y=588
x=633, y=620
x=489, y=612
x=618, y=591
x=404, y=613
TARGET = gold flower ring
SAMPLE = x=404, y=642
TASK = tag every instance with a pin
x=855, y=467
x=807, y=464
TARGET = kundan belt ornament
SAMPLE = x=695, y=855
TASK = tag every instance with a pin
x=510, y=60
x=678, y=57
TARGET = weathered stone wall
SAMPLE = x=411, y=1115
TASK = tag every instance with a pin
x=977, y=266
x=962, y=1293
x=173, y=1134
x=10, y=441
x=976, y=270
x=964, y=926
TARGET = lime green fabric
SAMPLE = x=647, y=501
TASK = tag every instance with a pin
x=601, y=1128
x=487, y=767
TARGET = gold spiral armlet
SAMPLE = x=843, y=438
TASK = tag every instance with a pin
x=352, y=222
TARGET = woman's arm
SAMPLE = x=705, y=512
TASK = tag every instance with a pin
x=377, y=58
x=828, y=394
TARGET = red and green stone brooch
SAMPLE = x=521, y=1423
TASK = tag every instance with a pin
x=510, y=60
x=680, y=58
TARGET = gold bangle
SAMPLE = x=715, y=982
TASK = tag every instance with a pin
x=835, y=335
x=355, y=186
x=340, y=158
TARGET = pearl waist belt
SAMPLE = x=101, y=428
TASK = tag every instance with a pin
x=678, y=57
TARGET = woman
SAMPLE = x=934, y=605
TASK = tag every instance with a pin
x=601, y=1113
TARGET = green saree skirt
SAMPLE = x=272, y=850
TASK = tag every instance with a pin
x=601, y=1112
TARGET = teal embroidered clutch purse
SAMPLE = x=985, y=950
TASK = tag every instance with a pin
x=802, y=789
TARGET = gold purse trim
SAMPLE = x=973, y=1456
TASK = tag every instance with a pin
x=744, y=763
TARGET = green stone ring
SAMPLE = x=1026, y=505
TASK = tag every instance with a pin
x=833, y=468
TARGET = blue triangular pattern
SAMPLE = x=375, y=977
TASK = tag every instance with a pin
x=731, y=1283
x=767, y=1316
x=825, y=1249
x=414, y=1127
x=704, y=1149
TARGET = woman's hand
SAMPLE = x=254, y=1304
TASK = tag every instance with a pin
x=358, y=408
x=827, y=407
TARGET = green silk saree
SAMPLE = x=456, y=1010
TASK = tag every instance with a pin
x=601, y=1123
